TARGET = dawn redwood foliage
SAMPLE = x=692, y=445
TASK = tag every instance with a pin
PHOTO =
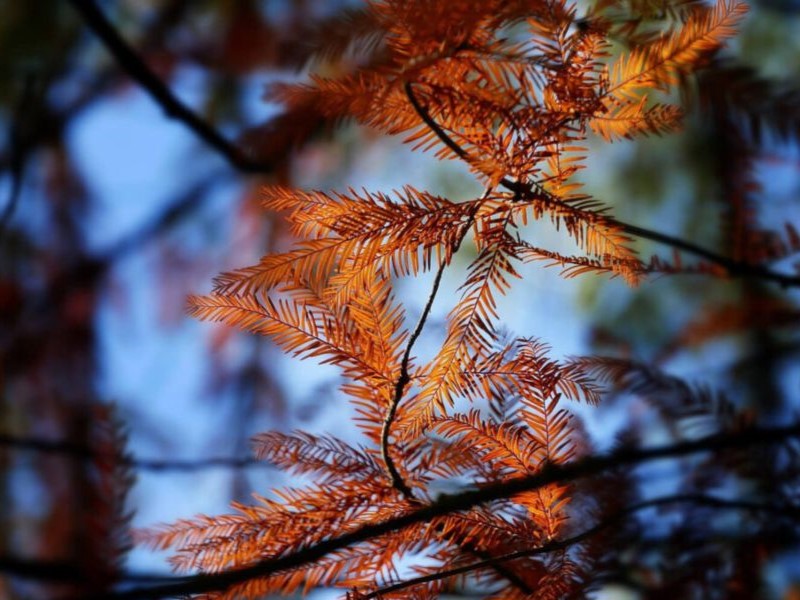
x=512, y=88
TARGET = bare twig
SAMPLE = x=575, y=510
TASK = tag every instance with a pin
x=19, y=145
x=130, y=62
x=56, y=571
x=449, y=504
x=404, y=377
x=80, y=452
x=734, y=268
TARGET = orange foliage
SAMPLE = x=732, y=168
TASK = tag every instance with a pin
x=512, y=88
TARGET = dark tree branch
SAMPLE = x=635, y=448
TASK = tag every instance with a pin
x=80, y=452
x=40, y=570
x=618, y=517
x=130, y=62
x=734, y=268
x=65, y=572
x=404, y=377
x=20, y=145
x=50, y=123
x=448, y=504
x=56, y=571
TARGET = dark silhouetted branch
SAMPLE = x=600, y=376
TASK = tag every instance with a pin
x=55, y=571
x=19, y=147
x=734, y=268
x=64, y=572
x=79, y=452
x=404, y=377
x=40, y=570
x=618, y=517
x=448, y=504
x=130, y=62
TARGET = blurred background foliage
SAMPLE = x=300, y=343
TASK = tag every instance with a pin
x=112, y=212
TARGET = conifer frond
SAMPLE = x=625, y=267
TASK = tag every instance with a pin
x=316, y=214
x=737, y=93
x=363, y=95
x=104, y=518
x=346, y=239
x=370, y=402
x=379, y=321
x=659, y=64
x=632, y=118
x=297, y=328
x=525, y=364
x=470, y=332
x=326, y=456
x=767, y=245
x=737, y=320
x=547, y=504
x=575, y=266
x=585, y=220
x=512, y=88
x=550, y=426
x=351, y=30
x=313, y=260
x=637, y=22
x=679, y=402
x=508, y=447
x=296, y=519
x=443, y=459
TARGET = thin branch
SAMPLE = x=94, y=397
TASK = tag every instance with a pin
x=399, y=388
x=19, y=142
x=404, y=378
x=528, y=190
x=80, y=452
x=40, y=570
x=215, y=462
x=66, y=572
x=57, y=571
x=619, y=516
x=448, y=504
x=130, y=62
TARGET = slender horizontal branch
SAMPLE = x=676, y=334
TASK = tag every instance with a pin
x=56, y=571
x=448, y=504
x=80, y=452
x=40, y=570
x=734, y=268
x=130, y=62
x=62, y=571
x=563, y=544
